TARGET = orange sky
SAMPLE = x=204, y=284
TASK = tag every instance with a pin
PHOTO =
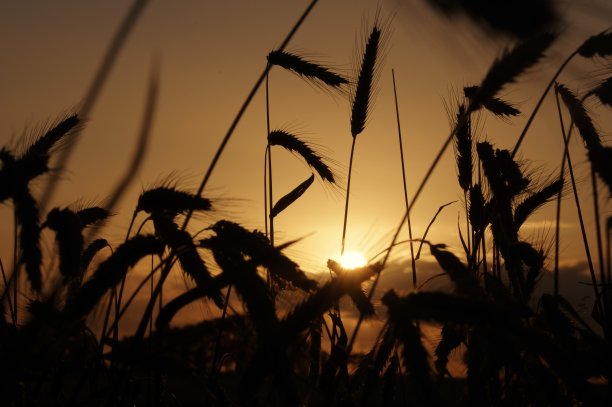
x=212, y=52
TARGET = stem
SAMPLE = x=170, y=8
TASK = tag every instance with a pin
x=484, y=253
x=581, y=220
x=558, y=214
x=15, y=274
x=399, y=134
x=212, y=376
x=8, y=293
x=582, y=228
x=604, y=282
x=539, y=104
x=265, y=182
x=144, y=136
x=467, y=224
x=269, y=165
x=433, y=165
x=348, y=190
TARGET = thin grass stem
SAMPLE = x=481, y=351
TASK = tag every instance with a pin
x=604, y=282
x=539, y=104
x=348, y=191
x=269, y=150
x=399, y=134
x=581, y=221
x=8, y=293
x=265, y=188
x=212, y=377
x=558, y=212
x=430, y=170
x=15, y=275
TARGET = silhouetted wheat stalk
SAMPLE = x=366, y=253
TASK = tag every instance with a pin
x=399, y=134
x=601, y=166
x=361, y=100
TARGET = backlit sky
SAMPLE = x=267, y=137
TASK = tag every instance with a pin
x=212, y=52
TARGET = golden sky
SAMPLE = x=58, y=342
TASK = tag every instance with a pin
x=212, y=52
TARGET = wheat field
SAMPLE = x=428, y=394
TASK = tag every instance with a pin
x=129, y=278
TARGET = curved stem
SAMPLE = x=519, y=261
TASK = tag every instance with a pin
x=539, y=104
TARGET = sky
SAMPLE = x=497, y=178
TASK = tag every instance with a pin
x=210, y=54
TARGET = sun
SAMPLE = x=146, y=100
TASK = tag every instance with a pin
x=352, y=260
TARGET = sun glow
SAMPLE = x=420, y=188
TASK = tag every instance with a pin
x=352, y=260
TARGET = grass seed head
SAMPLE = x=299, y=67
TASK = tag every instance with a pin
x=362, y=95
x=513, y=62
x=170, y=200
x=313, y=159
x=597, y=45
x=581, y=118
x=306, y=69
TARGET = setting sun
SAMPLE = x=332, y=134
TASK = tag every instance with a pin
x=352, y=260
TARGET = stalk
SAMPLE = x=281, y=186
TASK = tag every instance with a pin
x=348, y=190
x=539, y=104
x=583, y=230
x=581, y=221
x=269, y=150
x=558, y=213
x=399, y=134
x=604, y=282
x=8, y=293
x=212, y=377
x=15, y=274
x=265, y=188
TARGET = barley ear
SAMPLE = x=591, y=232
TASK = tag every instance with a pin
x=43, y=145
x=580, y=117
x=362, y=92
x=507, y=68
x=526, y=207
x=110, y=272
x=170, y=200
x=306, y=69
x=495, y=105
x=463, y=142
x=313, y=158
x=603, y=92
x=600, y=44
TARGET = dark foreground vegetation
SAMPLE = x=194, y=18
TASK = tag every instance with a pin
x=61, y=342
